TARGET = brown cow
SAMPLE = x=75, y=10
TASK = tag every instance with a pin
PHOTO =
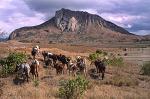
x=81, y=64
x=35, y=68
x=60, y=67
x=72, y=67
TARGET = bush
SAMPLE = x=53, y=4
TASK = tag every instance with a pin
x=9, y=63
x=118, y=62
x=146, y=69
x=99, y=51
x=73, y=89
x=113, y=61
x=93, y=56
x=97, y=54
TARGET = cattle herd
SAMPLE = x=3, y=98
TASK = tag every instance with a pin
x=61, y=63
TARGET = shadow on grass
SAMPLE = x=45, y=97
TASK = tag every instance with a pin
x=18, y=81
x=93, y=74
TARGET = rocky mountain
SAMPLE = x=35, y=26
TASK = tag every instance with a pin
x=74, y=27
x=3, y=36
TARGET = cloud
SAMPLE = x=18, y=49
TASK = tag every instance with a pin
x=133, y=15
x=130, y=14
x=15, y=14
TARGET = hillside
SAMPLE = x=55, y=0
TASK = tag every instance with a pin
x=74, y=27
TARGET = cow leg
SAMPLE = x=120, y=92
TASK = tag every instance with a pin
x=99, y=73
x=37, y=76
x=27, y=78
x=33, y=76
x=57, y=71
x=64, y=69
x=52, y=64
x=103, y=75
x=97, y=70
x=85, y=71
x=69, y=71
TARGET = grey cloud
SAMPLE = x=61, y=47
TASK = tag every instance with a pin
x=48, y=8
x=133, y=7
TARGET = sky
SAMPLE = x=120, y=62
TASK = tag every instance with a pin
x=133, y=15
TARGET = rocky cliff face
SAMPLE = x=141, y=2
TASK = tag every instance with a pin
x=74, y=26
x=77, y=20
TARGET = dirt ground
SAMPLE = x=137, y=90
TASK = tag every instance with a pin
x=98, y=89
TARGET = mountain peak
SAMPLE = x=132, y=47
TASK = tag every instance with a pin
x=66, y=20
x=74, y=26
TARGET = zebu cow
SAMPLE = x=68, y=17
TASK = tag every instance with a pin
x=35, y=68
x=23, y=71
x=100, y=67
x=62, y=58
x=72, y=67
x=48, y=55
x=59, y=67
x=65, y=61
x=35, y=51
x=49, y=58
x=49, y=62
x=81, y=64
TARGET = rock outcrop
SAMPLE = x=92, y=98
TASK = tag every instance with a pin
x=74, y=26
x=79, y=20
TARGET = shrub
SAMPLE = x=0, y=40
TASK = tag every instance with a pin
x=113, y=61
x=118, y=62
x=99, y=51
x=97, y=54
x=73, y=89
x=9, y=63
x=146, y=69
x=93, y=56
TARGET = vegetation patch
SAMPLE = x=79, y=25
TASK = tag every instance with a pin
x=119, y=81
x=97, y=54
x=9, y=63
x=74, y=88
x=146, y=68
x=112, y=60
x=117, y=62
x=36, y=83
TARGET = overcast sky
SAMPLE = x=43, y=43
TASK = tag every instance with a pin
x=134, y=15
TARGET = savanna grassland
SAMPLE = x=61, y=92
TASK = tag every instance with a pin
x=121, y=82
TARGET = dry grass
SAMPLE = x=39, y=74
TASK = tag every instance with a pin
x=98, y=89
